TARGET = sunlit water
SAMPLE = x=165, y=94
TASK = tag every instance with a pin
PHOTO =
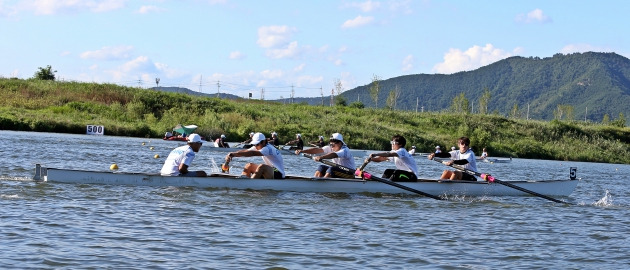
x=66, y=226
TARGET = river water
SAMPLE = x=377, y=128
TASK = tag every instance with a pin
x=67, y=226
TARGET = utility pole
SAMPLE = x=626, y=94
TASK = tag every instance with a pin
x=332, y=96
x=585, y=113
x=321, y=90
x=200, y=80
x=292, y=93
x=527, y=118
x=262, y=93
x=417, y=104
x=218, y=88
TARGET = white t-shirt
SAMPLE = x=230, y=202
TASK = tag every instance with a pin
x=470, y=156
x=453, y=154
x=183, y=154
x=405, y=161
x=272, y=157
x=344, y=157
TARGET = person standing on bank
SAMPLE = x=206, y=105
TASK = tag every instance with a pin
x=180, y=158
x=339, y=152
x=465, y=157
x=273, y=167
x=406, y=168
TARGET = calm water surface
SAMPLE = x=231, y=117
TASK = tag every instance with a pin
x=65, y=226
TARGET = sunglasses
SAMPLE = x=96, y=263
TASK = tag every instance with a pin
x=393, y=142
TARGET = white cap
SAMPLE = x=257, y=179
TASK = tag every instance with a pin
x=413, y=146
x=299, y=135
x=222, y=136
x=274, y=134
x=194, y=138
x=437, y=147
x=257, y=138
x=251, y=134
x=337, y=136
x=452, y=147
x=321, y=137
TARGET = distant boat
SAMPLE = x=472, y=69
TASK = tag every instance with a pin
x=183, y=131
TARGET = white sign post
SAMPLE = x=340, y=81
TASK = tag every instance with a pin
x=95, y=130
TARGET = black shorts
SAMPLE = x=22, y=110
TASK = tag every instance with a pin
x=468, y=177
x=334, y=172
x=400, y=175
x=277, y=174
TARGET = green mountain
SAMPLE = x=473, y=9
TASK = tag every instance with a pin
x=589, y=83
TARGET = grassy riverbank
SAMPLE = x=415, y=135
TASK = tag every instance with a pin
x=67, y=107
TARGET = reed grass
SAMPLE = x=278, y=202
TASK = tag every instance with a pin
x=67, y=107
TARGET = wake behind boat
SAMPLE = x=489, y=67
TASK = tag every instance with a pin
x=306, y=184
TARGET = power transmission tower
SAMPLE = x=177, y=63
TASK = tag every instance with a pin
x=157, y=82
x=200, y=79
x=292, y=94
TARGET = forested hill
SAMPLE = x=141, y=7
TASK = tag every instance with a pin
x=597, y=83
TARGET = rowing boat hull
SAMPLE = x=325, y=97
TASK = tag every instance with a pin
x=303, y=184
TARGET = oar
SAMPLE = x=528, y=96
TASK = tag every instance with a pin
x=236, y=146
x=491, y=179
x=368, y=176
x=365, y=163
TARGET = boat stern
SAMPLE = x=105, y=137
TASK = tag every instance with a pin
x=40, y=173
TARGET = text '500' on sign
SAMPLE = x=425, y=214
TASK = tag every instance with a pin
x=95, y=130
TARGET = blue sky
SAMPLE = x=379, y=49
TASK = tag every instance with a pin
x=292, y=47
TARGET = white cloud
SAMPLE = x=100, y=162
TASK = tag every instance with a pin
x=338, y=62
x=407, y=63
x=271, y=74
x=236, y=55
x=308, y=80
x=299, y=68
x=109, y=53
x=150, y=9
x=290, y=51
x=403, y=5
x=366, y=6
x=48, y=7
x=357, y=22
x=534, y=16
x=134, y=69
x=274, y=36
x=456, y=60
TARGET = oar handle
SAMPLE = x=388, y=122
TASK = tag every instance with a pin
x=225, y=167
